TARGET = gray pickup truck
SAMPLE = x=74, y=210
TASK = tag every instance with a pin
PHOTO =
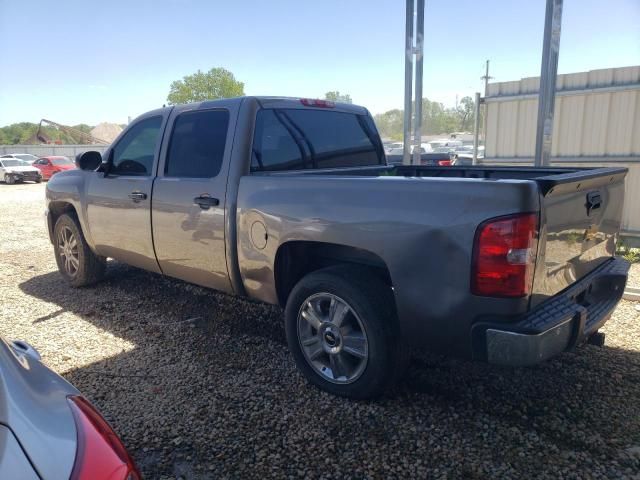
x=291, y=202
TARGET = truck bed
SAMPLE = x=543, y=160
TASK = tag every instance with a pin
x=437, y=209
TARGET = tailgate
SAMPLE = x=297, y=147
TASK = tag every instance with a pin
x=580, y=220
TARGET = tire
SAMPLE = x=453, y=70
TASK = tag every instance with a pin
x=39, y=180
x=9, y=179
x=69, y=242
x=365, y=369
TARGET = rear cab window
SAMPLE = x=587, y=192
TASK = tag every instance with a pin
x=298, y=139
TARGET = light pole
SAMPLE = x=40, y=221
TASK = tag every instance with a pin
x=414, y=46
x=548, y=74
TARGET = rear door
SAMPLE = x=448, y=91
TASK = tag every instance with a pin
x=119, y=203
x=189, y=196
x=580, y=221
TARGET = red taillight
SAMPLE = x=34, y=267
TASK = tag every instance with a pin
x=312, y=102
x=504, y=254
x=100, y=454
x=444, y=163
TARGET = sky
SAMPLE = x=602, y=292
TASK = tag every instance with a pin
x=79, y=61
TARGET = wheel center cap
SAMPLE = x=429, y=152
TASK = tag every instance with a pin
x=330, y=339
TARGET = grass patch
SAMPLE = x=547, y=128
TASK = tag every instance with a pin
x=631, y=255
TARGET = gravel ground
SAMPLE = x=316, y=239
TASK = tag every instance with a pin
x=634, y=276
x=200, y=385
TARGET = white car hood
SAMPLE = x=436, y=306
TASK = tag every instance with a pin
x=20, y=169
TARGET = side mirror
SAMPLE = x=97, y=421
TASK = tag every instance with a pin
x=89, y=161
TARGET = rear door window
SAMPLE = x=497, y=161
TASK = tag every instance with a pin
x=197, y=144
x=294, y=139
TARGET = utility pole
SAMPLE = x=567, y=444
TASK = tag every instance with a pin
x=486, y=79
x=548, y=74
x=476, y=127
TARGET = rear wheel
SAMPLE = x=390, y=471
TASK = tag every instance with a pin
x=342, y=331
x=76, y=261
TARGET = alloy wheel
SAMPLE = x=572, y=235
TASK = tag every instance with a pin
x=68, y=251
x=332, y=338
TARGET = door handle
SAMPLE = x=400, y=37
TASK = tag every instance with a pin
x=137, y=196
x=206, y=201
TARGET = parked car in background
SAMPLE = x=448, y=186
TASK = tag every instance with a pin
x=13, y=170
x=25, y=157
x=398, y=148
x=464, y=156
x=393, y=146
x=51, y=165
x=441, y=159
x=48, y=430
x=292, y=202
x=445, y=145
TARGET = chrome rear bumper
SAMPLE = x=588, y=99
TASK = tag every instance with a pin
x=561, y=322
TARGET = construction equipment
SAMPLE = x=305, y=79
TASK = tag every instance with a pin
x=78, y=135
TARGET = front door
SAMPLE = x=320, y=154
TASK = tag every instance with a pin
x=44, y=164
x=119, y=203
x=189, y=198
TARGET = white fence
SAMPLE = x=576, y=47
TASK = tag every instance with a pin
x=44, y=150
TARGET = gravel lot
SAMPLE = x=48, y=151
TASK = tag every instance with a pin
x=200, y=385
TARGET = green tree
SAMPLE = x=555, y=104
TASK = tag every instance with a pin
x=335, y=96
x=436, y=119
x=390, y=124
x=465, y=112
x=214, y=84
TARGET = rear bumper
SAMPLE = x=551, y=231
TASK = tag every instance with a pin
x=559, y=323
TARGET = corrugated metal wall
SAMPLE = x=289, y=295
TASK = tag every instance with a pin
x=597, y=113
x=596, y=123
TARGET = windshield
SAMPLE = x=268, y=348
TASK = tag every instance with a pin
x=10, y=162
x=61, y=161
x=27, y=157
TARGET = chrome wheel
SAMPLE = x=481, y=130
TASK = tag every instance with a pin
x=68, y=251
x=332, y=338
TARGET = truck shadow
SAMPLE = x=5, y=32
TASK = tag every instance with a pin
x=206, y=362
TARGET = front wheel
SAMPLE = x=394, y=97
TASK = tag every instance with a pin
x=342, y=330
x=10, y=179
x=76, y=261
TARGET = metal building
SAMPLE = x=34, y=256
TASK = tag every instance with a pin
x=596, y=122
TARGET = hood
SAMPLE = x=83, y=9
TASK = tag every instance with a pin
x=24, y=168
x=33, y=404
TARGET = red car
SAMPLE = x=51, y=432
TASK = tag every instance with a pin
x=53, y=164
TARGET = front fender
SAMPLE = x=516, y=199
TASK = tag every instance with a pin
x=68, y=190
